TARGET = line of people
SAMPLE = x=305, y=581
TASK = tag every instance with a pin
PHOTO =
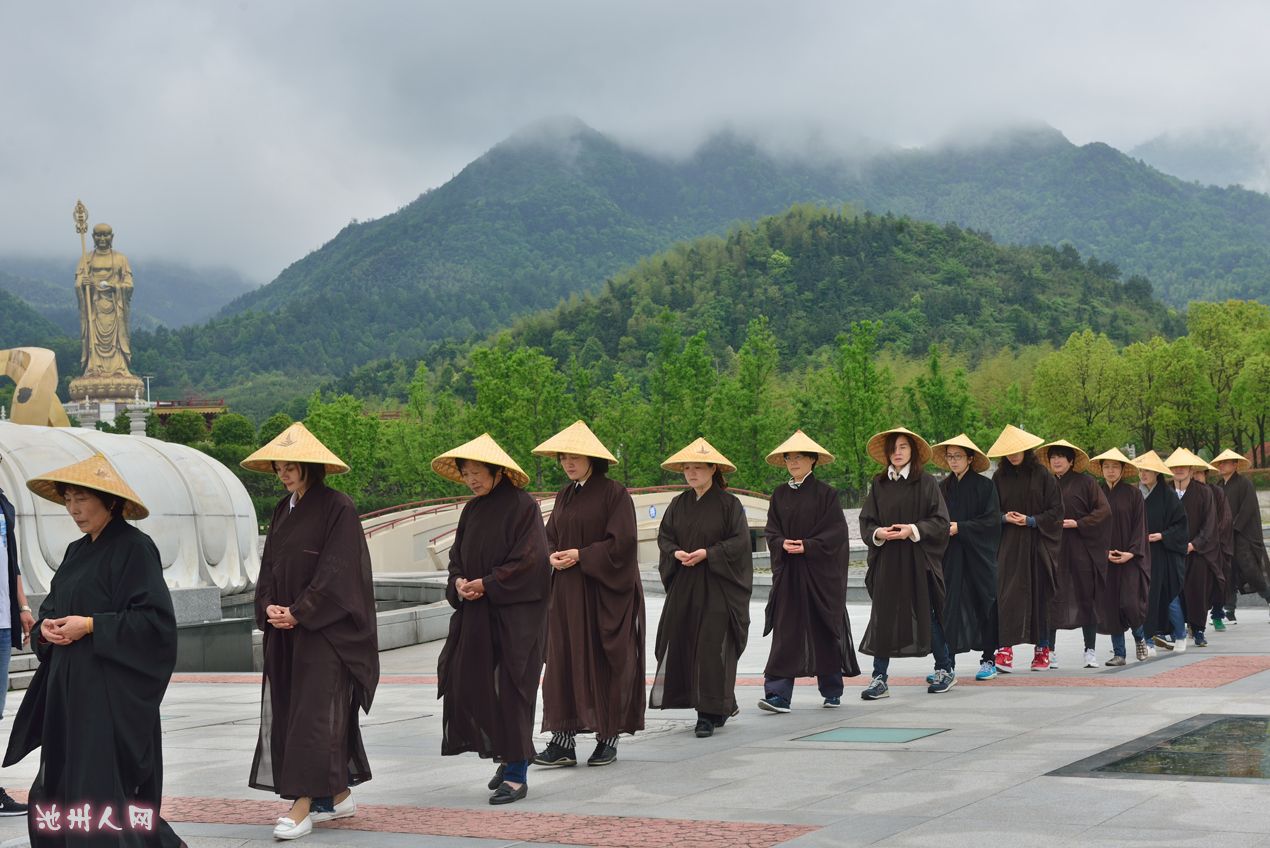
x=965, y=563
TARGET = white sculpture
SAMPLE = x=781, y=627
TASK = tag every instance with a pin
x=201, y=517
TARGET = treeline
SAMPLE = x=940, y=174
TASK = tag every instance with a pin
x=1206, y=390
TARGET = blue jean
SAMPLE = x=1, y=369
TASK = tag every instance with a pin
x=6, y=650
x=830, y=686
x=516, y=772
x=1117, y=641
x=1176, y=620
x=938, y=647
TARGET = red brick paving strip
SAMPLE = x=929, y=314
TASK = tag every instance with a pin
x=559, y=828
x=605, y=831
x=1205, y=674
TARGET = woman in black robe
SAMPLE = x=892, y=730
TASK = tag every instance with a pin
x=970, y=561
x=905, y=524
x=315, y=605
x=106, y=642
x=595, y=624
x=1082, y=564
x=1250, y=563
x=1031, y=537
x=499, y=586
x=1124, y=603
x=1168, y=536
x=1223, y=591
x=707, y=568
x=1203, y=551
x=807, y=608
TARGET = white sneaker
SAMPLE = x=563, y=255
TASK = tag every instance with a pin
x=1150, y=650
x=287, y=829
x=1091, y=659
x=1053, y=659
x=344, y=809
x=1179, y=646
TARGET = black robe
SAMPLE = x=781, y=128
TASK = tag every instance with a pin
x=905, y=578
x=1250, y=563
x=487, y=674
x=595, y=624
x=706, y=618
x=1225, y=547
x=970, y=562
x=1027, y=561
x=807, y=608
x=93, y=706
x=1124, y=604
x=318, y=674
x=1166, y=516
x=1082, y=570
x=1203, y=565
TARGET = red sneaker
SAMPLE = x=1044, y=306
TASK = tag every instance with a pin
x=1041, y=659
x=1004, y=660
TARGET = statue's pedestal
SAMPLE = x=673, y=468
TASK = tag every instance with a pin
x=122, y=388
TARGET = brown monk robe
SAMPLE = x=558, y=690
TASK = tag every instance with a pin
x=706, y=618
x=905, y=578
x=1123, y=606
x=318, y=674
x=1027, y=561
x=1251, y=569
x=1082, y=564
x=1225, y=549
x=807, y=608
x=487, y=674
x=1203, y=562
x=595, y=626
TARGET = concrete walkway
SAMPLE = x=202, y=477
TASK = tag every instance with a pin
x=981, y=781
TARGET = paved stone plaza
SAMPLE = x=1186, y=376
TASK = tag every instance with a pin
x=981, y=782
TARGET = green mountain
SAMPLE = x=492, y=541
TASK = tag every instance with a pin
x=22, y=326
x=813, y=272
x=554, y=211
x=166, y=293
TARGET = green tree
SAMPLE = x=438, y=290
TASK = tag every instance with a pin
x=342, y=425
x=273, y=427
x=938, y=407
x=1188, y=412
x=233, y=429
x=1076, y=390
x=860, y=392
x=1250, y=395
x=744, y=419
x=1223, y=332
x=185, y=428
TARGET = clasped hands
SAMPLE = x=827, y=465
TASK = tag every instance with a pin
x=794, y=546
x=690, y=559
x=64, y=630
x=470, y=590
x=560, y=560
x=1016, y=518
x=1119, y=557
x=894, y=533
x=280, y=617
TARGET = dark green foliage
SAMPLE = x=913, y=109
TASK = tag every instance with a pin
x=22, y=326
x=233, y=429
x=812, y=272
x=185, y=428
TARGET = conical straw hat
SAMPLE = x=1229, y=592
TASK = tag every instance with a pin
x=294, y=444
x=1013, y=440
x=800, y=442
x=698, y=451
x=578, y=439
x=1243, y=463
x=978, y=459
x=94, y=473
x=877, y=446
x=1182, y=458
x=1082, y=458
x=1131, y=467
x=481, y=449
x=1150, y=461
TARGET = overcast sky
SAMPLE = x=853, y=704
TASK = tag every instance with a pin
x=248, y=133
